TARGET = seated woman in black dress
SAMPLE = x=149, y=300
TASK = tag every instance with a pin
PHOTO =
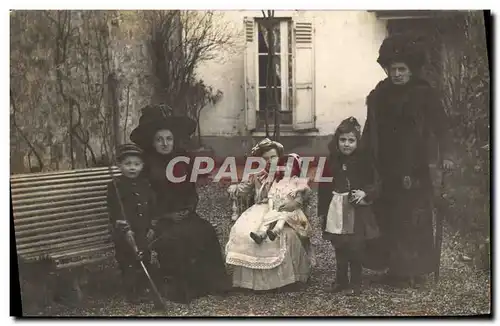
x=189, y=254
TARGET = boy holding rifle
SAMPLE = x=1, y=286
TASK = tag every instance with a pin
x=131, y=195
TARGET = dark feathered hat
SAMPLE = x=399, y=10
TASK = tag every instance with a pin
x=407, y=48
x=157, y=117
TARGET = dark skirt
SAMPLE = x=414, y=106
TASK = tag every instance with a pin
x=190, y=259
x=406, y=245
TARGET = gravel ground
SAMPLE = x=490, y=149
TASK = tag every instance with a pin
x=462, y=289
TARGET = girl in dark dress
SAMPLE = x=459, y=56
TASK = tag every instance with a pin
x=353, y=181
x=403, y=112
x=188, y=250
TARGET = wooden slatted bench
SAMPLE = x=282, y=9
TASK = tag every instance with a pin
x=61, y=217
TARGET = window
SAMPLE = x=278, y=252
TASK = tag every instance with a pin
x=285, y=67
x=279, y=79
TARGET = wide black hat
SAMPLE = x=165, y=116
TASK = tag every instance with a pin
x=408, y=48
x=161, y=116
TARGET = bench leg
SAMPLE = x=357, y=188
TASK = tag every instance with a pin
x=77, y=289
x=37, y=294
x=69, y=288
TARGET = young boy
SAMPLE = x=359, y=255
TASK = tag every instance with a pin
x=130, y=206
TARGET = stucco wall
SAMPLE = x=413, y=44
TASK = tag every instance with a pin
x=346, y=48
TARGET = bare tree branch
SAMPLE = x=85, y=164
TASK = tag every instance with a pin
x=14, y=122
x=188, y=39
x=126, y=114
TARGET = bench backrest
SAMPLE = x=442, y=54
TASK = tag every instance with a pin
x=61, y=214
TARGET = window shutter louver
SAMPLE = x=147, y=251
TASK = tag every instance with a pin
x=250, y=74
x=303, y=97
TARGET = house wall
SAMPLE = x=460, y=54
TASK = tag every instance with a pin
x=346, y=45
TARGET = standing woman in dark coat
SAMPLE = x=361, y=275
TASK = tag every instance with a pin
x=403, y=112
x=188, y=250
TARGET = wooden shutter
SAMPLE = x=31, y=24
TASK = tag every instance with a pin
x=303, y=88
x=251, y=89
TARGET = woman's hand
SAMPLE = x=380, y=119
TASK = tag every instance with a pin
x=154, y=258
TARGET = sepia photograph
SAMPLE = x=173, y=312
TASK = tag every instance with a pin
x=250, y=163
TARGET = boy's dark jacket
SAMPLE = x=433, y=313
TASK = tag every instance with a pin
x=358, y=175
x=138, y=201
